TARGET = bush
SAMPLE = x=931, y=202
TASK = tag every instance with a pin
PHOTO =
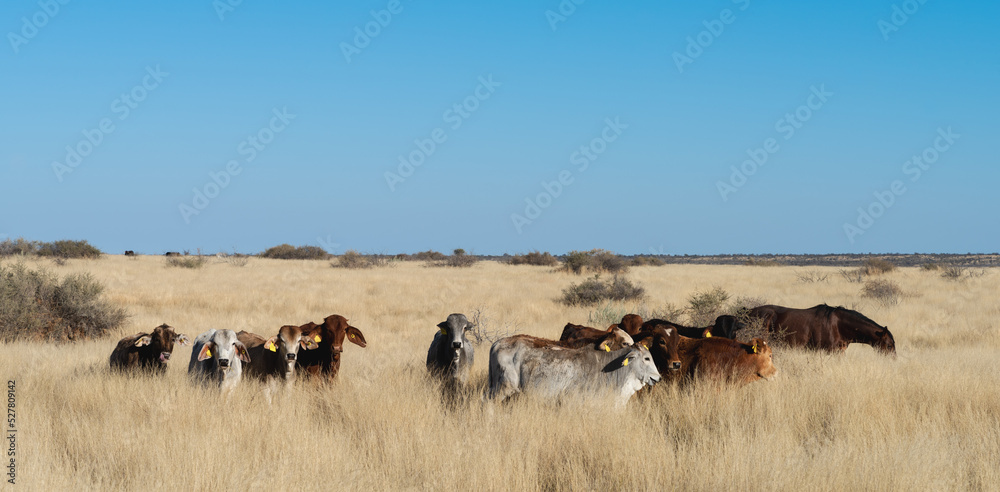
x=597, y=260
x=953, y=272
x=762, y=263
x=534, y=258
x=885, y=292
x=36, y=305
x=57, y=249
x=646, y=261
x=289, y=252
x=930, y=266
x=811, y=277
x=460, y=260
x=853, y=275
x=877, y=266
x=192, y=262
x=593, y=291
x=429, y=255
x=354, y=260
x=705, y=306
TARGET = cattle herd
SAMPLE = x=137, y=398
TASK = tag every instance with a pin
x=618, y=361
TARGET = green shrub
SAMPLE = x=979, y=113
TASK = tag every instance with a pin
x=37, y=305
x=19, y=246
x=534, y=258
x=289, y=252
x=596, y=260
x=57, y=249
x=594, y=291
x=460, y=260
x=705, y=306
x=429, y=255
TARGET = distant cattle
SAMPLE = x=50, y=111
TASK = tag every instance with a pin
x=172, y=253
x=130, y=253
x=518, y=365
x=147, y=351
x=325, y=360
x=824, y=327
x=662, y=341
x=218, y=356
x=724, y=360
x=275, y=357
x=451, y=355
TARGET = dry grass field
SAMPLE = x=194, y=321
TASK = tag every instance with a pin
x=926, y=420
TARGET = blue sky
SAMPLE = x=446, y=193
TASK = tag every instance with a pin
x=313, y=119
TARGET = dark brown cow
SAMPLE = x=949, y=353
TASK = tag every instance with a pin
x=147, y=351
x=130, y=253
x=684, y=331
x=325, y=360
x=631, y=324
x=724, y=360
x=726, y=326
x=824, y=327
x=662, y=341
x=573, y=332
x=275, y=357
x=607, y=341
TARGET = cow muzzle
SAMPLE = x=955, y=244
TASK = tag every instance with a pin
x=456, y=345
x=675, y=366
x=224, y=363
x=289, y=356
x=164, y=356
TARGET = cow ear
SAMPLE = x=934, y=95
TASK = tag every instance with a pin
x=206, y=351
x=625, y=362
x=143, y=341
x=443, y=326
x=708, y=334
x=182, y=339
x=271, y=344
x=605, y=345
x=308, y=343
x=241, y=350
x=355, y=336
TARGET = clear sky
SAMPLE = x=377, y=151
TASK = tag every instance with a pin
x=450, y=125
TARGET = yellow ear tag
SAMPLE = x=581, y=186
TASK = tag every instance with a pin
x=317, y=338
x=208, y=353
x=626, y=362
x=755, y=348
x=352, y=335
x=708, y=335
x=270, y=346
x=443, y=332
x=607, y=348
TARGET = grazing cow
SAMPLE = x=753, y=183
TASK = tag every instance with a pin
x=824, y=327
x=724, y=360
x=147, y=351
x=172, y=253
x=726, y=326
x=662, y=341
x=130, y=253
x=451, y=355
x=218, y=355
x=325, y=360
x=518, y=365
x=275, y=357
x=684, y=331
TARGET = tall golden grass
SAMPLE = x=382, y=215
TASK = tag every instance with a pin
x=926, y=420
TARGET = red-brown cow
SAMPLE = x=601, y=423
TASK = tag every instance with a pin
x=607, y=341
x=147, y=351
x=325, y=360
x=663, y=343
x=724, y=360
x=275, y=357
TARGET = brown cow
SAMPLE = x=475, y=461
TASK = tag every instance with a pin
x=684, y=331
x=325, y=360
x=147, y=351
x=573, y=332
x=724, y=360
x=275, y=357
x=607, y=341
x=824, y=327
x=662, y=341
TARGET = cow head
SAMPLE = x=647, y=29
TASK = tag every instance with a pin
x=162, y=338
x=631, y=324
x=337, y=329
x=638, y=368
x=662, y=341
x=763, y=360
x=884, y=341
x=286, y=345
x=453, y=332
x=616, y=339
x=225, y=348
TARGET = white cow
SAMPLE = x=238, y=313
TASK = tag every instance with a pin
x=218, y=356
x=519, y=364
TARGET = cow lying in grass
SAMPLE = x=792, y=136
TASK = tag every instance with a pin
x=147, y=351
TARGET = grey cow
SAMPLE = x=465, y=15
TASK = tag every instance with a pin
x=451, y=354
x=521, y=365
x=218, y=356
